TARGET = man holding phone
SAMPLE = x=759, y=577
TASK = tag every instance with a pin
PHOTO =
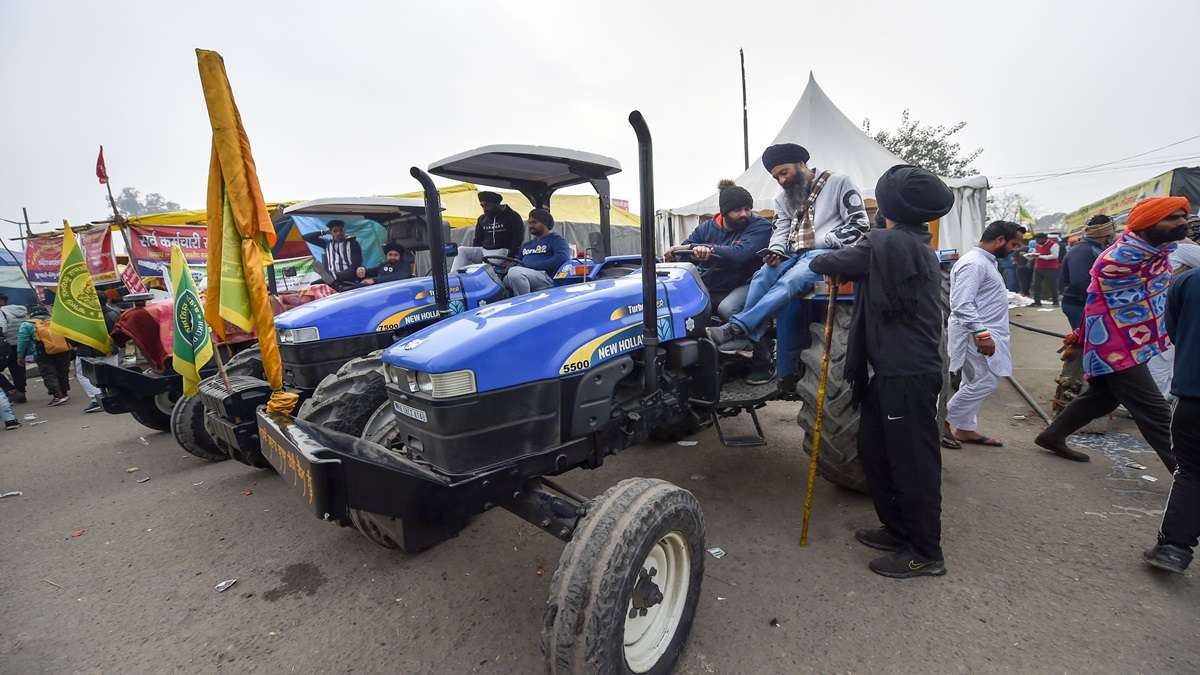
x=815, y=211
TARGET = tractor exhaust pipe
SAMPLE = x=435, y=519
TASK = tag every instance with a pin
x=437, y=241
x=649, y=274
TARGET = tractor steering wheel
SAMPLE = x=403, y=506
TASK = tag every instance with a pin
x=500, y=260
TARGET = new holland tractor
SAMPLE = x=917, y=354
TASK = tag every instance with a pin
x=331, y=348
x=486, y=407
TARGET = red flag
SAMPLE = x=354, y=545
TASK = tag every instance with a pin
x=101, y=170
x=132, y=281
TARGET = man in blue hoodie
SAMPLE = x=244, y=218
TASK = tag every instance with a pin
x=540, y=257
x=725, y=248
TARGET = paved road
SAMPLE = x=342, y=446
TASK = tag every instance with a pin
x=1043, y=554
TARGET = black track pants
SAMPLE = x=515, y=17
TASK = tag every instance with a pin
x=1181, y=522
x=898, y=443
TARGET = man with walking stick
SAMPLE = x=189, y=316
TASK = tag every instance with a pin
x=896, y=328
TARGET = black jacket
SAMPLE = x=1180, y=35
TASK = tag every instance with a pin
x=1075, y=274
x=505, y=229
x=111, y=314
x=897, y=348
x=1183, y=325
x=389, y=272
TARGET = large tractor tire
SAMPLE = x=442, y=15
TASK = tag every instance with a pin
x=837, y=461
x=383, y=530
x=345, y=400
x=187, y=426
x=154, y=413
x=625, y=592
x=187, y=418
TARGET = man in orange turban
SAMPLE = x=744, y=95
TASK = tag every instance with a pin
x=1123, y=328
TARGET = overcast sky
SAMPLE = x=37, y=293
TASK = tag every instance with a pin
x=340, y=98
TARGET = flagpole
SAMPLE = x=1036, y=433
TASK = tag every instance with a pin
x=220, y=364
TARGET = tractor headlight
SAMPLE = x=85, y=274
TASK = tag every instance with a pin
x=291, y=336
x=434, y=385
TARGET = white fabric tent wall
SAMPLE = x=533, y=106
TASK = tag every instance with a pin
x=837, y=144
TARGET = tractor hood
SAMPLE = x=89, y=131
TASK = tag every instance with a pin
x=559, y=331
x=384, y=307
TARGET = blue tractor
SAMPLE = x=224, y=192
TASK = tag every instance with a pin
x=331, y=347
x=484, y=408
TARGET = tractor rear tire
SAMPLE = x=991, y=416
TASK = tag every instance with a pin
x=150, y=413
x=187, y=426
x=639, y=550
x=837, y=461
x=345, y=400
x=247, y=362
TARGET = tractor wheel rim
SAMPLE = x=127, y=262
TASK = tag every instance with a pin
x=164, y=403
x=664, y=578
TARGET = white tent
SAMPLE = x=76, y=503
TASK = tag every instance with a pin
x=837, y=144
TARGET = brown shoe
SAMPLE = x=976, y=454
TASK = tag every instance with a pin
x=1059, y=447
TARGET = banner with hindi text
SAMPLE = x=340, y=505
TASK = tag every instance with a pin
x=43, y=258
x=150, y=246
x=97, y=245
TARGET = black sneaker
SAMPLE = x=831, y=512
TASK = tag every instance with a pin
x=905, y=565
x=1169, y=558
x=729, y=338
x=880, y=539
x=92, y=407
x=11, y=424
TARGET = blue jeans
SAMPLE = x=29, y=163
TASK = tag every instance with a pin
x=6, y=411
x=772, y=288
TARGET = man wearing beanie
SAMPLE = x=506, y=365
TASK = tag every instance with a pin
x=725, y=248
x=540, y=257
x=498, y=231
x=1076, y=273
x=896, y=329
x=814, y=212
x=1123, y=328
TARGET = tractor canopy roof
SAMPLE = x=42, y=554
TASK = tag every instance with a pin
x=535, y=170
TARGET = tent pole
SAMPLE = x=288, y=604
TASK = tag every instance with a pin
x=745, y=115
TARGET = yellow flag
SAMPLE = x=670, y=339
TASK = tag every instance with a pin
x=77, y=315
x=239, y=228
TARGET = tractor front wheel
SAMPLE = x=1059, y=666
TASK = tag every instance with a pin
x=625, y=592
x=345, y=400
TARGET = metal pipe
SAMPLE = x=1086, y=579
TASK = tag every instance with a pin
x=1043, y=331
x=649, y=274
x=437, y=240
x=1029, y=399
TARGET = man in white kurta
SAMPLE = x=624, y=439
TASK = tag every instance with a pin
x=978, y=331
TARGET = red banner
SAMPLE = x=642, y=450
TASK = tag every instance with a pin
x=151, y=246
x=43, y=258
x=97, y=245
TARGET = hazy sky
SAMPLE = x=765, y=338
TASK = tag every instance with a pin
x=340, y=98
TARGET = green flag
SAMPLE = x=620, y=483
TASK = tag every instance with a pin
x=193, y=345
x=1025, y=217
x=77, y=315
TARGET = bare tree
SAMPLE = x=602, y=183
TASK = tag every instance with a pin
x=928, y=146
x=1004, y=205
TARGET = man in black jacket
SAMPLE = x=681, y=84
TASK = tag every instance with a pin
x=499, y=231
x=394, y=267
x=1075, y=275
x=897, y=328
x=343, y=255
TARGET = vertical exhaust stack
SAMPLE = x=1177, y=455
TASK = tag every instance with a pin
x=437, y=240
x=649, y=274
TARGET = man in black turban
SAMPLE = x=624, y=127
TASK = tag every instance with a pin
x=897, y=328
x=498, y=232
x=814, y=211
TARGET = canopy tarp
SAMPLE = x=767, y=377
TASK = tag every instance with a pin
x=835, y=144
x=461, y=206
x=12, y=281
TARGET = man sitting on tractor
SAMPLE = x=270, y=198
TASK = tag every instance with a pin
x=814, y=213
x=394, y=267
x=497, y=232
x=343, y=255
x=539, y=258
x=725, y=248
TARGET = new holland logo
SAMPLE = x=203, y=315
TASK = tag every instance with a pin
x=412, y=344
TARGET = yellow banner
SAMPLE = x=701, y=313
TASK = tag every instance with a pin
x=1120, y=202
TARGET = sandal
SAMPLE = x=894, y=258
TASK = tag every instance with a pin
x=982, y=440
x=950, y=442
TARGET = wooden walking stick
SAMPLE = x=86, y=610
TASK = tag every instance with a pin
x=819, y=412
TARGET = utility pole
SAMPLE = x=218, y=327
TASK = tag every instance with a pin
x=745, y=116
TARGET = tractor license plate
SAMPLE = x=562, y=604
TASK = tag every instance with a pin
x=409, y=411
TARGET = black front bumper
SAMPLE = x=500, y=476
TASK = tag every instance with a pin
x=124, y=388
x=307, y=363
x=336, y=473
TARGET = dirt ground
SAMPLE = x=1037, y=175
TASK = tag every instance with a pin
x=1043, y=555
